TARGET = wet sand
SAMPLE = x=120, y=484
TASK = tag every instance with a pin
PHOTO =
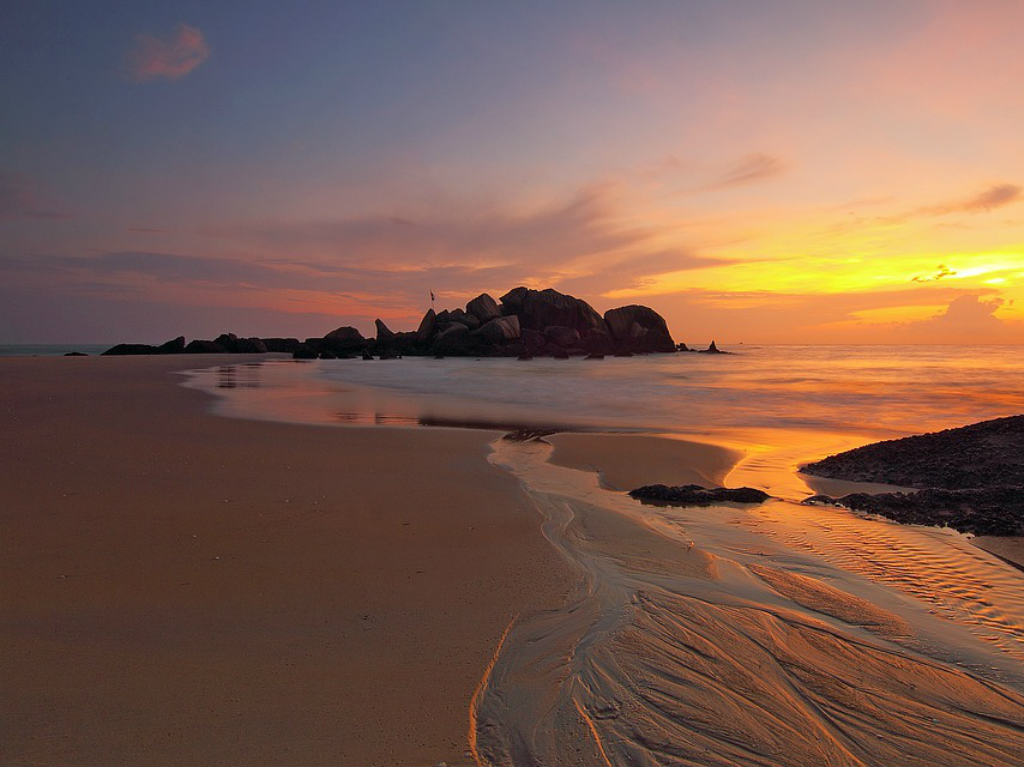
x=625, y=462
x=180, y=587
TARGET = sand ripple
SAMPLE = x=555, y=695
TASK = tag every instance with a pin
x=734, y=647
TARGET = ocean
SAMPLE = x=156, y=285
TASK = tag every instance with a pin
x=50, y=350
x=872, y=391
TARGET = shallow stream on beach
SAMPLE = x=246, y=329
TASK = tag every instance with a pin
x=779, y=633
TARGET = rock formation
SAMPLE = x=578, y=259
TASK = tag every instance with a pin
x=524, y=323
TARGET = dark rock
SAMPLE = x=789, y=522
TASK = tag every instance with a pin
x=456, y=341
x=282, y=345
x=682, y=347
x=538, y=309
x=484, y=308
x=444, y=317
x=316, y=344
x=427, y=326
x=75, y=354
x=384, y=335
x=562, y=336
x=622, y=353
x=512, y=302
x=713, y=349
x=990, y=453
x=981, y=511
x=201, y=346
x=469, y=320
x=129, y=349
x=232, y=344
x=500, y=330
x=325, y=355
x=594, y=356
x=303, y=352
x=525, y=356
x=598, y=341
x=695, y=495
x=346, y=335
x=639, y=328
x=174, y=346
x=533, y=340
x=560, y=354
x=819, y=500
x=367, y=356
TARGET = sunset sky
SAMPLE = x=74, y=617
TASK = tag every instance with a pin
x=756, y=171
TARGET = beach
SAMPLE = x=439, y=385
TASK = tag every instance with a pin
x=180, y=587
x=269, y=566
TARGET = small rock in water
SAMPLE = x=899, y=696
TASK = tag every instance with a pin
x=695, y=495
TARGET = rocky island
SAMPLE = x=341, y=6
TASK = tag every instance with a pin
x=523, y=323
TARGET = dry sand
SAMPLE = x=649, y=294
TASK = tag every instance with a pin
x=184, y=588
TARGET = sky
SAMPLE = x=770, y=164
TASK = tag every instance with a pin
x=756, y=171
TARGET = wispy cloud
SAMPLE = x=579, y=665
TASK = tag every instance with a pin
x=995, y=196
x=752, y=168
x=170, y=57
x=20, y=197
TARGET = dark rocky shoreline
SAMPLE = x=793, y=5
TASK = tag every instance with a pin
x=971, y=478
x=524, y=323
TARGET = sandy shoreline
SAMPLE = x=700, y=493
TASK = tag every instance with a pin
x=186, y=588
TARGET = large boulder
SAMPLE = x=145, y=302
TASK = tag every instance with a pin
x=285, y=345
x=639, y=328
x=427, y=326
x=454, y=340
x=123, y=349
x=344, y=341
x=533, y=341
x=562, y=336
x=512, y=302
x=235, y=345
x=174, y=346
x=539, y=309
x=201, y=346
x=484, y=308
x=471, y=321
x=500, y=330
x=384, y=334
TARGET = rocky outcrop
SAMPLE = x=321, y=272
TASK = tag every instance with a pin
x=986, y=454
x=540, y=309
x=199, y=346
x=981, y=511
x=526, y=323
x=286, y=345
x=427, y=326
x=639, y=328
x=174, y=346
x=484, y=308
x=129, y=349
x=695, y=495
x=384, y=334
x=972, y=478
x=500, y=330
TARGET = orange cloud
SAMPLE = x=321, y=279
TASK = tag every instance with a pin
x=169, y=58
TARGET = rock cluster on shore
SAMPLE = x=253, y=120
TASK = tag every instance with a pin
x=970, y=479
x=695, y=495
x=524, y=323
